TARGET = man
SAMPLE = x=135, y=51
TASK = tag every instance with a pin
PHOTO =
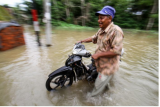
x=109, y=40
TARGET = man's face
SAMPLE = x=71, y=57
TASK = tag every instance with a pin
x=104, y=21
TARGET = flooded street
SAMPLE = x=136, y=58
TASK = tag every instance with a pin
x=25, y=69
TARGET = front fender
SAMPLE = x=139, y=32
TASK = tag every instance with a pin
x=63, y=69
x=66, y=70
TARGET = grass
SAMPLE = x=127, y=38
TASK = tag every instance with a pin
x=64, y=25
x=4, y=14
x=72, y=26
x=141, y=31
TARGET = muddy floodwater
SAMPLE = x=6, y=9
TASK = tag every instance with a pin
x=25, y=69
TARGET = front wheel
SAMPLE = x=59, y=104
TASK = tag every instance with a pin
x=58, y=81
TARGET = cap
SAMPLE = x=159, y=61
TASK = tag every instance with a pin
x=107, y=10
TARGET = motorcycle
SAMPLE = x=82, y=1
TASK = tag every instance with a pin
x=73, y=70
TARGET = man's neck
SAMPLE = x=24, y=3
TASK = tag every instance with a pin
x=106, y=26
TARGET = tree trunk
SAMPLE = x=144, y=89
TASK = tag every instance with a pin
x=87, y=9
x=67, y=9
x=151, y=20
x=82, y=12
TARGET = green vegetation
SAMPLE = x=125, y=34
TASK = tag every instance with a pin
x=132, y=14
x=142, y=31
x=72, y=26
x=4, y=14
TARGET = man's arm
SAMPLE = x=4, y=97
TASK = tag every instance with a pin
x=91, y=39
x=86, y=40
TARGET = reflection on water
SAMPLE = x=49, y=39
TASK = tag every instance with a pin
x=24, y=71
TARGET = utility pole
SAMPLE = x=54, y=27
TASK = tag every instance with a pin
x=47, y=16
x=35, y=22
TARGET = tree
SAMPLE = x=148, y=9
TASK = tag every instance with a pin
x=143, y=7
x=152, y=18
x=39, y=7
x=129, y=13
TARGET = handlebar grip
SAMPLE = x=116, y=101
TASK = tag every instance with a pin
x=89, y=54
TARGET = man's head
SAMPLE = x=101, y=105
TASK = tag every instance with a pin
x=107, y=10
x=105, y=16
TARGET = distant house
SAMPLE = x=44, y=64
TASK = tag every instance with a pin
x=11, y=35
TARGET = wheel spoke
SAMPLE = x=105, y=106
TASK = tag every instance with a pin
x=63, y=82
x=56, y=86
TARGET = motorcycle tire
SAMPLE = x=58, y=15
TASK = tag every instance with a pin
x=58, y=81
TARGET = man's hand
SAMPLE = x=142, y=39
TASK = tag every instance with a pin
x=95, y=56
x=78, y=42
x=108, y=54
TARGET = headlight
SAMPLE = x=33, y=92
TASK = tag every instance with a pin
x=75, y=51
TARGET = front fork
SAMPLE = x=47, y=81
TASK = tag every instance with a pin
x=93, y=71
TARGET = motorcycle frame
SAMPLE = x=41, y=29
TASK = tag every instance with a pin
x=69, y=71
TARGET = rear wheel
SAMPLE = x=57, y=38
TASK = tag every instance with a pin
x=58, y=81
